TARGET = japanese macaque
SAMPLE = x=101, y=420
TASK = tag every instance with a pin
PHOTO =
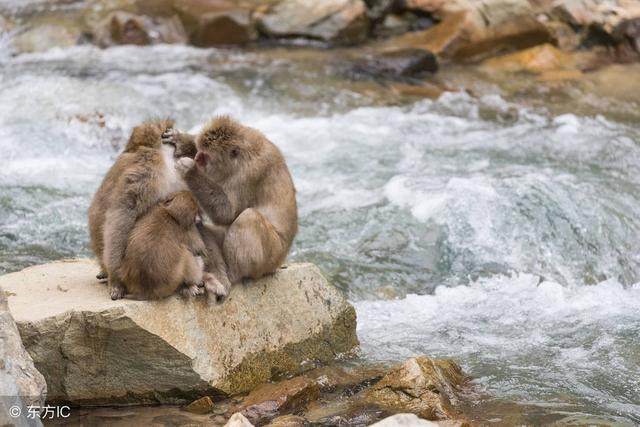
x=143, y=175
x=165, y=252
x=243, y=184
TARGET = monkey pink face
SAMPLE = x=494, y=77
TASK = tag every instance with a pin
x=202, y=159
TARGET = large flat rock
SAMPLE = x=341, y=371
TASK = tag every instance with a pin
x=92, y=350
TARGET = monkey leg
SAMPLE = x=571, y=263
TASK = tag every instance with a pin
x=252, y=247
x=192, y=276
x=216, y=279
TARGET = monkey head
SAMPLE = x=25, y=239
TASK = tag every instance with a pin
x=225, y=148
x=183, y=208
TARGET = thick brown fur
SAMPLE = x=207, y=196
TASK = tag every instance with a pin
x=164, y=250
x=137, y=181
x=243, y=184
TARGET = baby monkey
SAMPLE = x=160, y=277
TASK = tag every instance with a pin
x=165, y=251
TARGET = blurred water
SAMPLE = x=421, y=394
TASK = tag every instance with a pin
x=503, y=237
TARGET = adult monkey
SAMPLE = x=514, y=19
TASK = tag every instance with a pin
x=143, y=175
x=243, y=184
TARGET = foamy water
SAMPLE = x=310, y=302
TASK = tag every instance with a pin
x=503, y=237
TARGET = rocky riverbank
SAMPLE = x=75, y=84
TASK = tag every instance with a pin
x=269, y=362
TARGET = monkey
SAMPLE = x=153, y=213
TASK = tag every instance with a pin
x=165, y=251
x=243, y=184
x=142, y=175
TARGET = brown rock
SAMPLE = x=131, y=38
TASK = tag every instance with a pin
x=204, y=405
x=216, y=22
x=535, y=60
x=269, y=400
x=41, y=38
x=422, y=386
x=469, y=30
x=126, y=28
x=334, y=378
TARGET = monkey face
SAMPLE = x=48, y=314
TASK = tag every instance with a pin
x=183, y=208
x=219, y=159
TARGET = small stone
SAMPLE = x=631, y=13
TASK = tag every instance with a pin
x=238, y=420
x=404, y=420
x=422, y=386
x=204, y=405
x=398, y=63
x=270, y=400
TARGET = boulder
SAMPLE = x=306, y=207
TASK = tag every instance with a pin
x=422, y=386
x=336, y=21
x=471, y=29
x=126, y=28
x=94, y=351
x=21, y=385
x=216, y=22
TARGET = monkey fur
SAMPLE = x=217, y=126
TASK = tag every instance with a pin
x=243, y=184
x=165, y=251
x=142, y=175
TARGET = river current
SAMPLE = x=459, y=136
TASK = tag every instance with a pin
x=471, y=227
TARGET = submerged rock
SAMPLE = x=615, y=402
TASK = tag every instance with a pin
x=94, y=351
x=44, y=37
x=336, y=21
x=204, y=405
x=398, y=63
x=422, y=386
x=21, y=385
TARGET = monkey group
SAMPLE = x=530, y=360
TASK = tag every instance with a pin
x=192, y=213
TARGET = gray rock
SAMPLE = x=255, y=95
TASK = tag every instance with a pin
x=21, y=385
x=93, y=350
x=338, y=21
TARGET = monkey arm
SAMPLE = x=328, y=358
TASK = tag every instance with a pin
x=212, y=198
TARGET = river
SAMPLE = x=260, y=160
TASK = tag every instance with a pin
x=499, y=233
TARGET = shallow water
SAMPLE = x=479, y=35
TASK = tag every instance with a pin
x=503, y=236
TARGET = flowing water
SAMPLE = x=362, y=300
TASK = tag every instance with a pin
x=503, y=236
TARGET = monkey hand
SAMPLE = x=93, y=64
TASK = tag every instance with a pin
x=169, y=136
x=184, y=165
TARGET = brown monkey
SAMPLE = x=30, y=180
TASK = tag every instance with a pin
x=165, y=251
x=243, y=184
x=142, y=175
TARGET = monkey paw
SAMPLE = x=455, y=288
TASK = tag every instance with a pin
x=102, y=276
x=191, y=291
x=184, y=165
x=169, y=136
x=116, y=290
x=215, y=287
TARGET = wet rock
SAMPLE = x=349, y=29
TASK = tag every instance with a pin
x=204, y=405
x=270, y=400
x=470, y=29
x=288, y=421
x=120, y=28
x=238, y=420
x=335, y=21
x=535, y=60
x=409, y=62
x=44, y=37
x=422, y=386
x=92, y=350
x=404, y=420
x=21, y=384
x=217, y=22
x=345, y=379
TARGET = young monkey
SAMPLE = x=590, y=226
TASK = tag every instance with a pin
x=165, y=251
x=142, y=175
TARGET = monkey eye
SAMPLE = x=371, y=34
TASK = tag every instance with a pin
x=234, y=152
